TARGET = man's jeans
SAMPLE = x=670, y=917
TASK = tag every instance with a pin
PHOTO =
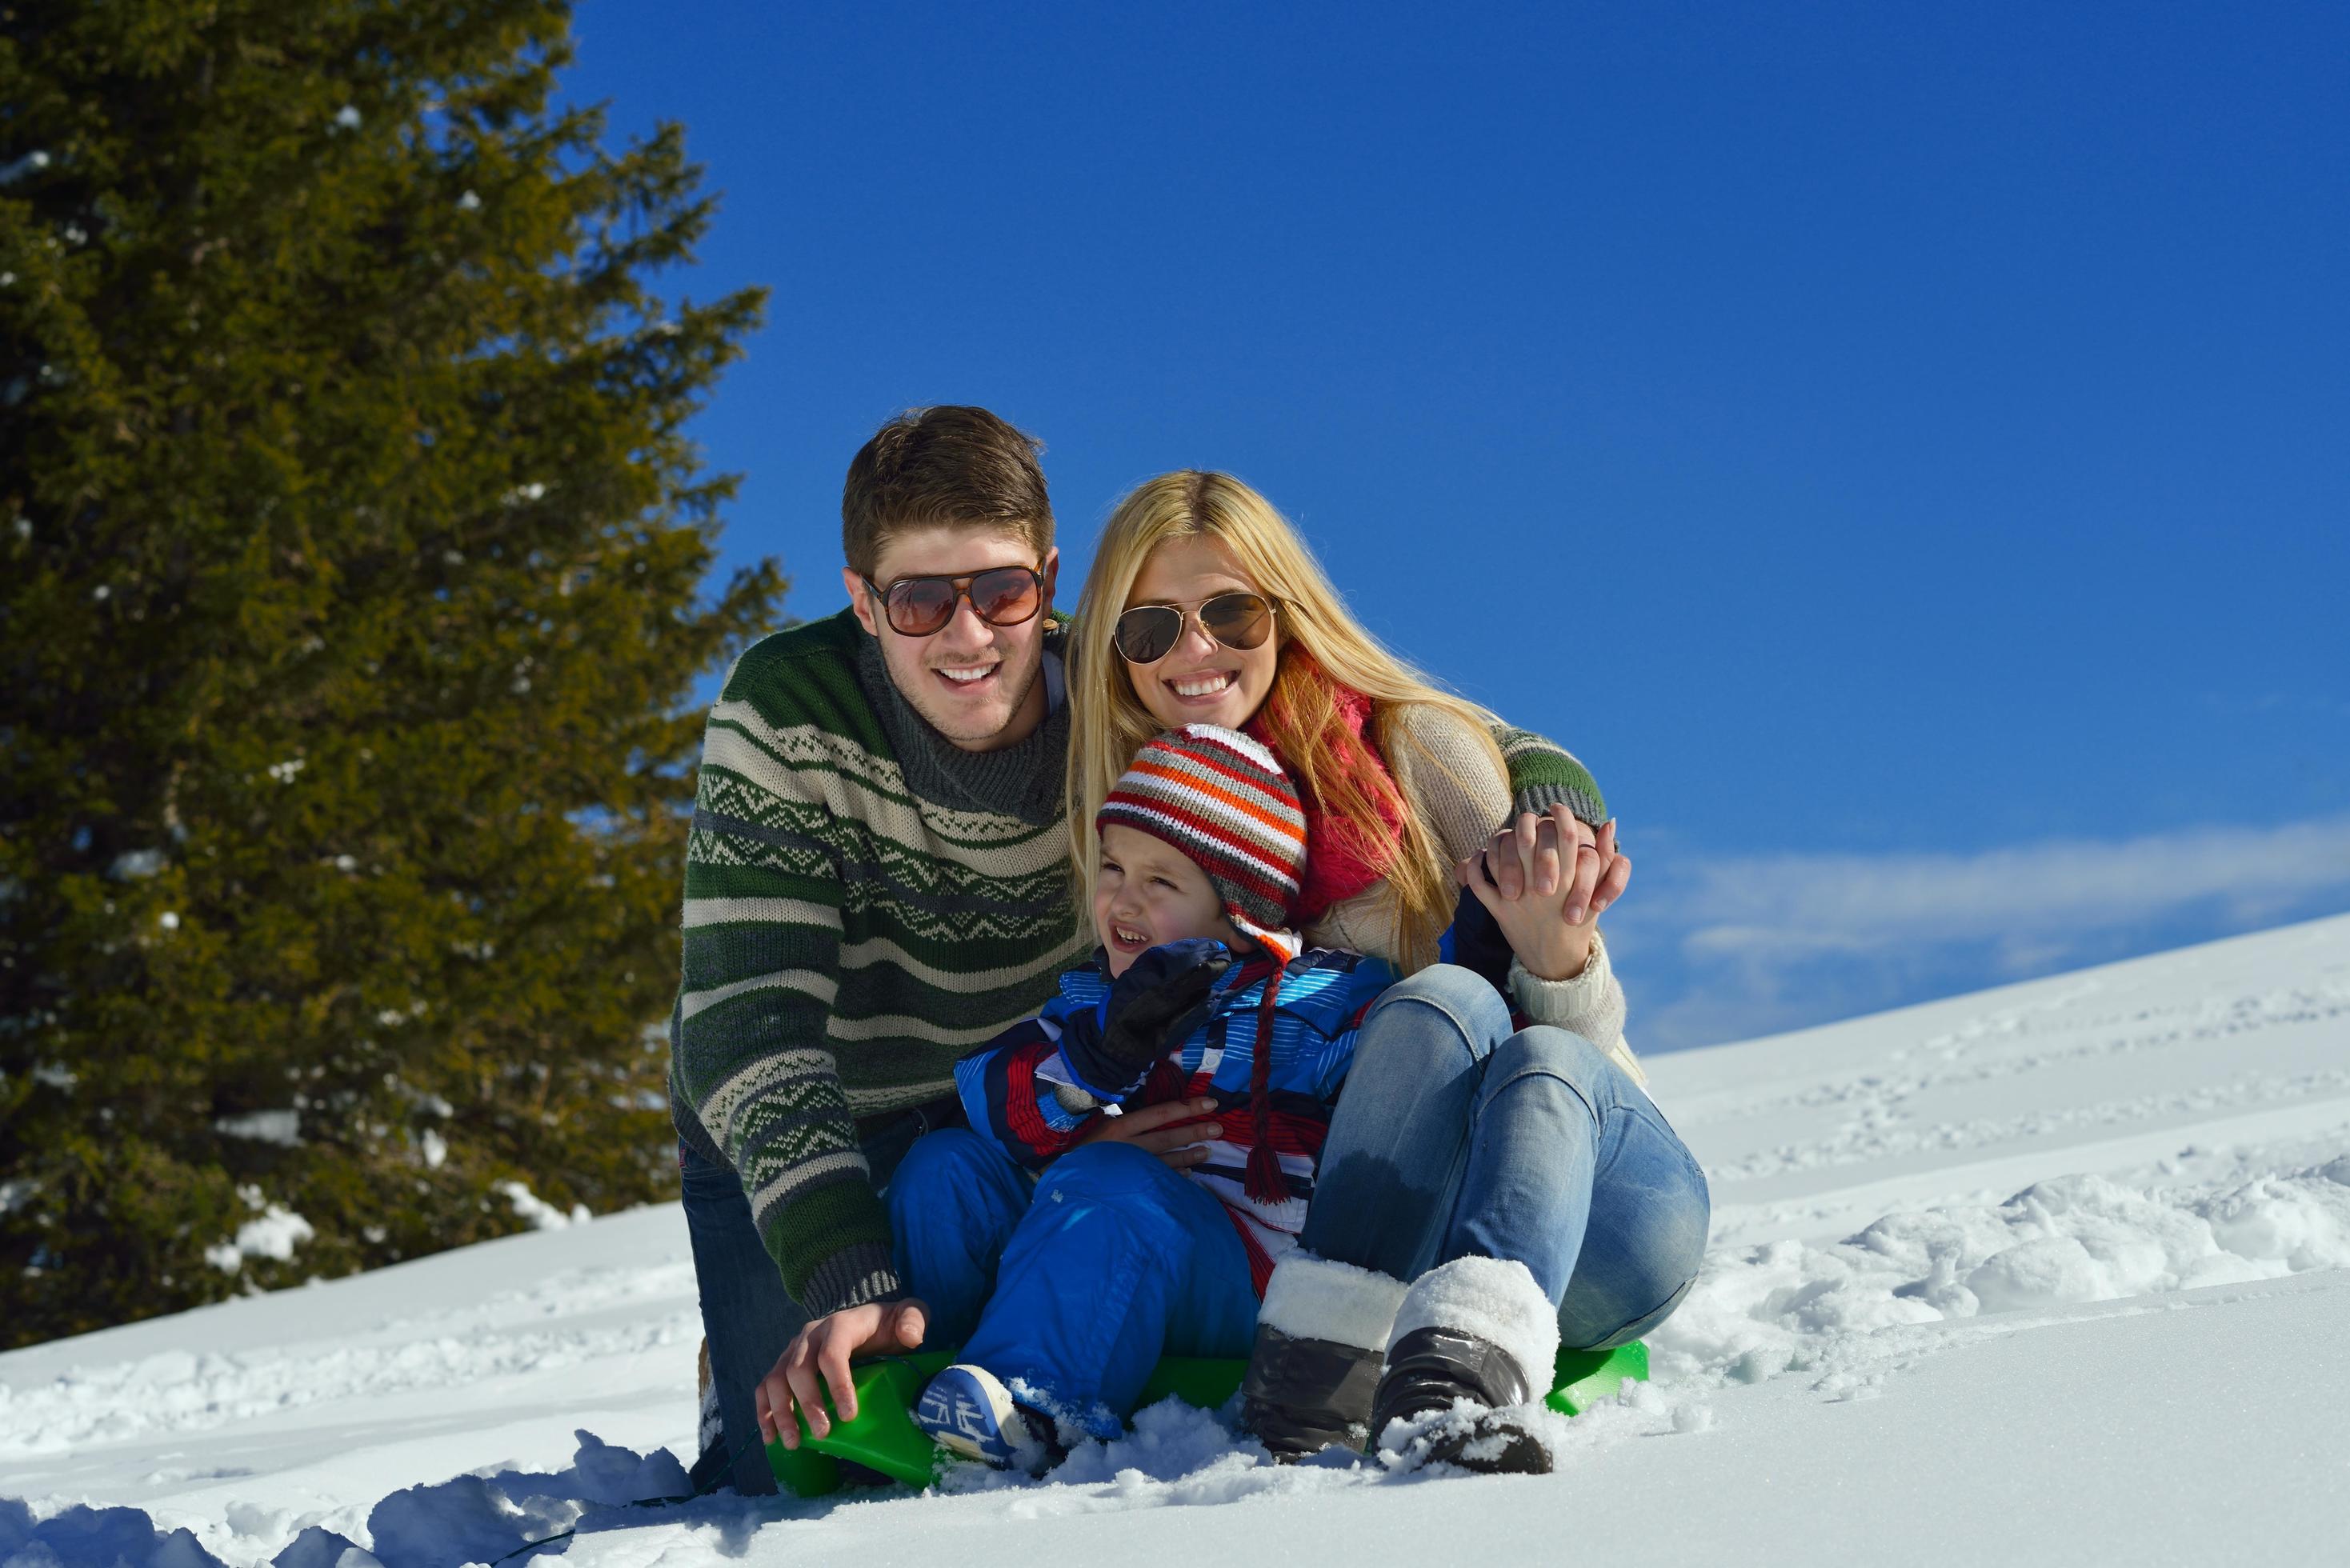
x=745, y=1312
x=1457, y=1136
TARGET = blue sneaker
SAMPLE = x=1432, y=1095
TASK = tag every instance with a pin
x=965, y=1408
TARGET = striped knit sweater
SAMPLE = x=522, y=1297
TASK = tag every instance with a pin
x=863, y=903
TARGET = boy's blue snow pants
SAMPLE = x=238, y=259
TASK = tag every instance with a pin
x=1076, y=1288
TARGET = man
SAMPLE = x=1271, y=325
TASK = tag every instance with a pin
x=876, y=881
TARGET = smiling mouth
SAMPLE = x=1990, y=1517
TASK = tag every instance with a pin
x=1212, y=684
x=1125, y=937
x=964, y=675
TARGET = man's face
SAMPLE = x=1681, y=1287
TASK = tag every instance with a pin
x=977, y=684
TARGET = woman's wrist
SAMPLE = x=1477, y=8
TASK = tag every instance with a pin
x=1564, y=957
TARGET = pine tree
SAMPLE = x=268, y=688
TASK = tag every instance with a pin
x=352, y=593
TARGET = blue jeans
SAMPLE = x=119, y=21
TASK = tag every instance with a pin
x=746, y=1314
x=1078, y=1287
x=1457, y=1136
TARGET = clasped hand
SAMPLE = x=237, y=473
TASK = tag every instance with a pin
x=1546, y=879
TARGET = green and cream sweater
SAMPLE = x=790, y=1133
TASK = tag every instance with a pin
x=864, y=903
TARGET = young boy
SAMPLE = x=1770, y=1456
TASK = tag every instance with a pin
x=1066, y=1294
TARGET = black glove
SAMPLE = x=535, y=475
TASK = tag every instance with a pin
x=1151, y=1008
x=1474, y=940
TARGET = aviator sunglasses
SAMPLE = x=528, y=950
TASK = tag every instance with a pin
x=1147, y=633
x=1002, y=596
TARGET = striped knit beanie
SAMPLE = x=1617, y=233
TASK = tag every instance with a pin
x=1222, y=799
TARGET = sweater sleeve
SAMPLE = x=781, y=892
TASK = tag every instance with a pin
x=1544, y=773
x=1591, y=1004
x=762, y=936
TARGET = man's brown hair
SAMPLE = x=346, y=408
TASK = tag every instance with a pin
x=949, y=464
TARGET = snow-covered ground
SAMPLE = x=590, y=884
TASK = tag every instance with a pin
x=2056, y=1272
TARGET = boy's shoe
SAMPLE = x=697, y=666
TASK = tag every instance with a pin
x=966, y=1409
x=1321, y=1337
x=1472, y=1346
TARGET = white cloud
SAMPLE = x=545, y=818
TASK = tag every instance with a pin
x=1747, y=945
x=2035, y=899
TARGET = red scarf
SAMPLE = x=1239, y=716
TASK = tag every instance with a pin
x=1342, y=858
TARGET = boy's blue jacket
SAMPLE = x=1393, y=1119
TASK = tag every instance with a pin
x=1019, y=1089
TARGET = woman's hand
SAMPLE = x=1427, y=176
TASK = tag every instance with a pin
x=825, y=1347
x=1546, y=880
x=1172, y=1131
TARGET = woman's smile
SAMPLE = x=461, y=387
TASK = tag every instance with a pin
x=1200, y=680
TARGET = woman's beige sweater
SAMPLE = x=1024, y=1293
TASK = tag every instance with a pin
x=1462, y=802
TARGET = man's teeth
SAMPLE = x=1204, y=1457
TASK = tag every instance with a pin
x=1202, y=685
x=976, y=672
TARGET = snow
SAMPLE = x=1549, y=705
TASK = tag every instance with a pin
x=2056, y=1272
x=283, y=1127
x=274, y=1234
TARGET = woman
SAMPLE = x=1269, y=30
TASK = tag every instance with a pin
x=1487, y=1192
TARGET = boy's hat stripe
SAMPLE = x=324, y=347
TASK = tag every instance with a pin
x=1241, y=814
x=1206, y=764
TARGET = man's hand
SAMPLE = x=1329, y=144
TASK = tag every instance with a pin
x=1547, y=909
x=825, y=1347
x=1172, y=1131
x=1532, y=855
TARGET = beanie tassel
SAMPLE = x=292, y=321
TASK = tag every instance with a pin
x=1266, y=1182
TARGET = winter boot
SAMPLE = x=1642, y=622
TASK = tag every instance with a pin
x=1473, y=1346
x=967, y=1410
x=1320, y=1337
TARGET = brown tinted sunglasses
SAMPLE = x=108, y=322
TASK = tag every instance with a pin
x=1004, y=596
x=1147, y=633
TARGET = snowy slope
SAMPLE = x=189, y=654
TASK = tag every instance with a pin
x=2057, y=1273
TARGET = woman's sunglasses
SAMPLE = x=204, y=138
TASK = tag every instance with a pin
x=917, y=606
x=1147, y=633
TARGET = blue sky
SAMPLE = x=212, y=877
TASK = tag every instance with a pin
x=1905, y=450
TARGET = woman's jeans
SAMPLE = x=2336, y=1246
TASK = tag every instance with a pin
x=747, y=1314
x=1457, y=1136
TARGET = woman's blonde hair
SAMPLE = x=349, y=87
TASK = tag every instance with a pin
x=1300, y=716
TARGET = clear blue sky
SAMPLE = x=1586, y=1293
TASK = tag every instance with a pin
x=1906, y=451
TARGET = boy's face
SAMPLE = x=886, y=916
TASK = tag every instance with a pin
x=1146, y=892
x=979, y=685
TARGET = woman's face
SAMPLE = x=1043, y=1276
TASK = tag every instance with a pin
x=1200, y=682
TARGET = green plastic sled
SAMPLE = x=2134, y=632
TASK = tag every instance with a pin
x=884, y=1436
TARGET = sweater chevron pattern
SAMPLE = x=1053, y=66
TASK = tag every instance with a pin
x=860, y=911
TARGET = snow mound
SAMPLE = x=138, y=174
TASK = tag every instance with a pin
x=481, y=1517
x=118, y=1537
x=1760, y=1311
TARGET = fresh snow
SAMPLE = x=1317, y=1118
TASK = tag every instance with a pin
x=2053, y=1273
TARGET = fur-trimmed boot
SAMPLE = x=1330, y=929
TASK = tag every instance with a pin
x=1321, y=1337
x=1474, y=1346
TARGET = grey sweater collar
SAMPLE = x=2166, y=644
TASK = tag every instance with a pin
x=1024, y=781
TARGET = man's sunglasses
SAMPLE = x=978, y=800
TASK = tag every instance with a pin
x=1147, y=633
x=1004, y=596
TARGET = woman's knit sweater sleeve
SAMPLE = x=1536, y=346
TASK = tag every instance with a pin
x=1460, y=798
